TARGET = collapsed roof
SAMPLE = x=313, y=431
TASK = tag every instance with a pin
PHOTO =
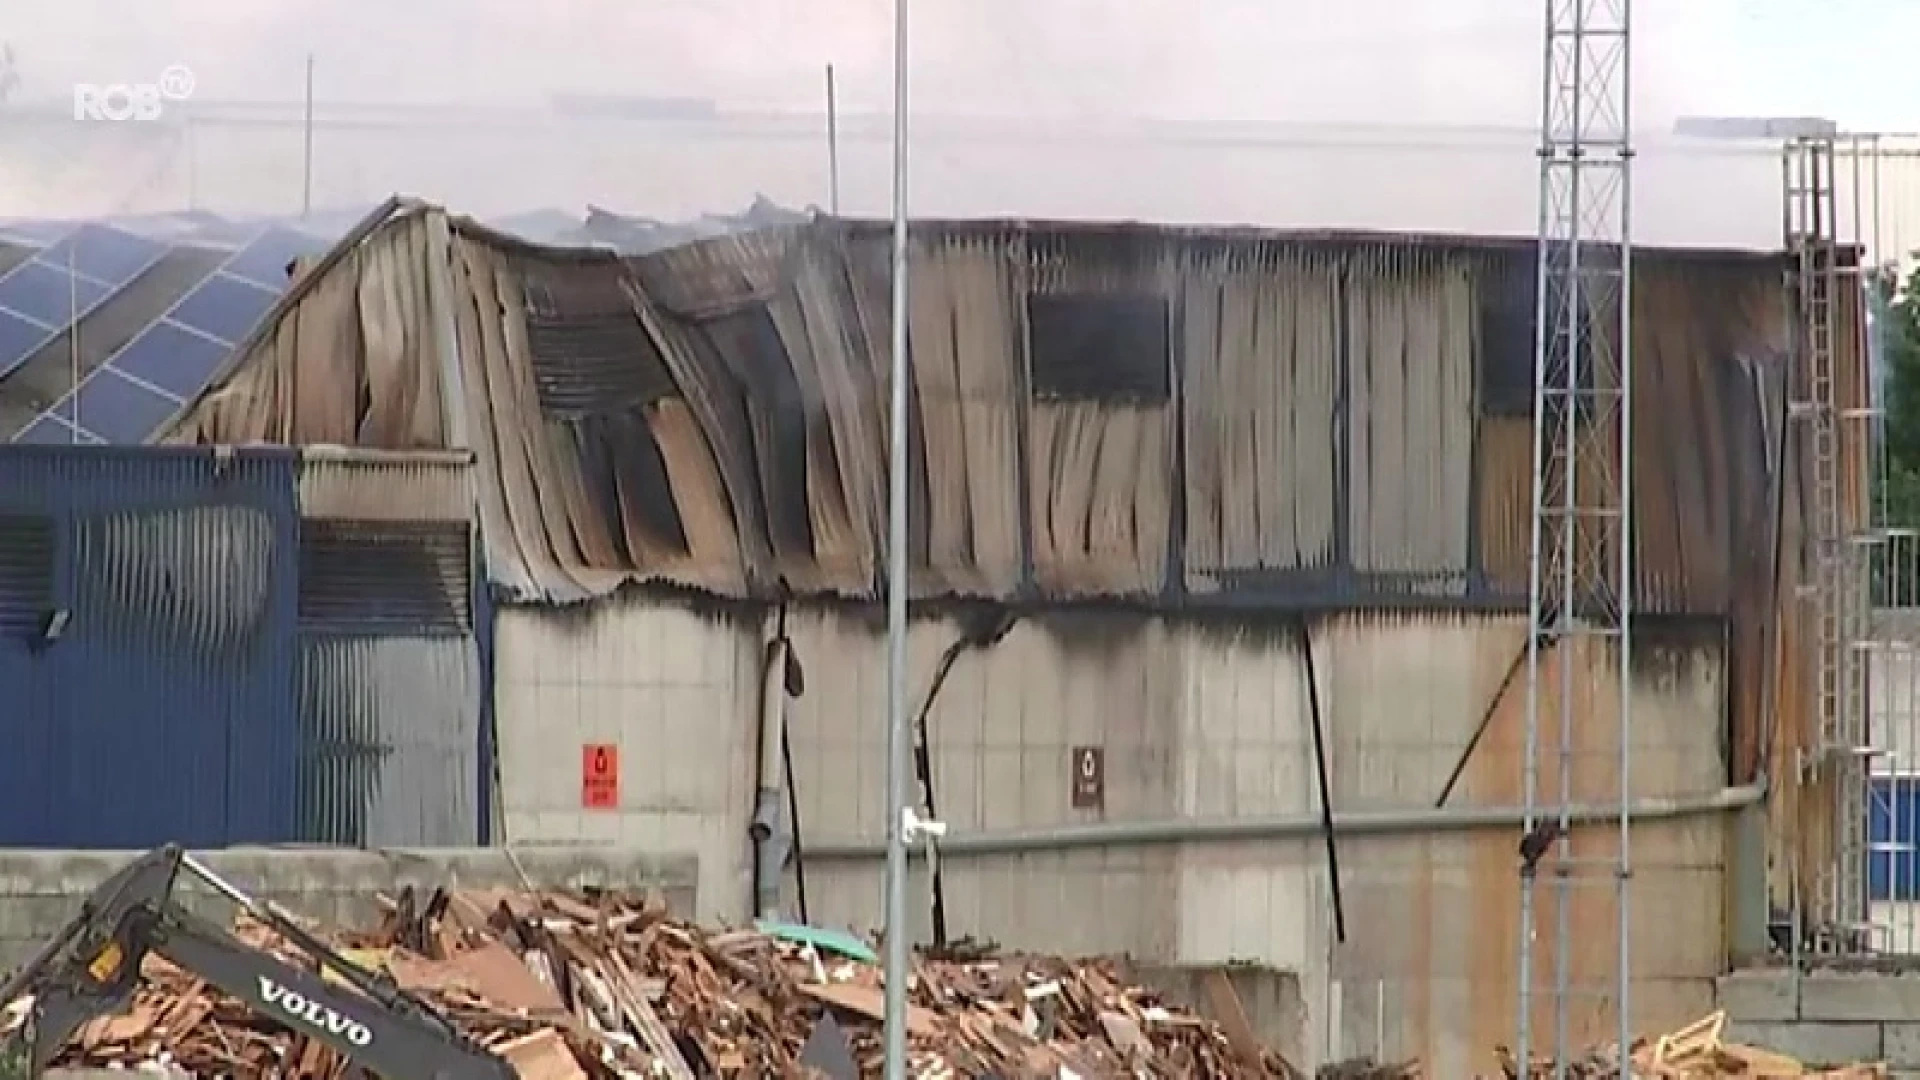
x=108, y=326
x=1169, y=416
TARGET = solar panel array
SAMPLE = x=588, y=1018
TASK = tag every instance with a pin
x=164, y=366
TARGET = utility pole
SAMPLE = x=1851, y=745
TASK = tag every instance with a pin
x=833, y=146
x=306, y=178
x=898, y=737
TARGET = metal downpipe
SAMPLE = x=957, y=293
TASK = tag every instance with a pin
x=1287, y=826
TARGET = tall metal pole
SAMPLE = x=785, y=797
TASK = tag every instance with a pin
x=1624, y=572
x=1579, y=606
x=833, y=145
x=306, y=174
x=897, y=734
x=73, y=337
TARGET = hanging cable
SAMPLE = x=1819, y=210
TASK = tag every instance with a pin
x=794, y=681
x=1326, y=782
x=978, y=630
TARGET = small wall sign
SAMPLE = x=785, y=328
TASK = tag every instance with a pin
x=1089, y=781
x=600, y=776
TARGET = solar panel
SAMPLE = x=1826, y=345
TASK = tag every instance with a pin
x=48, y=431
x=40, y=292
x=41, y=233
x=176, y=360
x=265, y=259
x=168, y=361
x=116, y=408
x=18, y=339
x=224, y=307
x=219, y=233
x=114, y=256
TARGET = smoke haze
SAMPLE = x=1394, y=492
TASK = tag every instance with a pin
x=1357, y=113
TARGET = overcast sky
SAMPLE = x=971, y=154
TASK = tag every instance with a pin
x=1328, y=63
x=1457, y=60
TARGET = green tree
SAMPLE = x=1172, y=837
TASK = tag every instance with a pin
x=1898, y=480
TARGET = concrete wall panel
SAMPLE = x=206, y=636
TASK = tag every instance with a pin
x=1002, y=730
x=1433, y=921
x=1198, y=723
x=674, y=691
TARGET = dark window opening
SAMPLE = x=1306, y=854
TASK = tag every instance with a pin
x=1508, y=345
x=26, y=572
x=1506, y=339
x=626, y=476
x=750, y=346
x=360, y=577
x=591, y=354
x=1103, y=347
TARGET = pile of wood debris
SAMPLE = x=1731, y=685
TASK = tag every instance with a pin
x=1695, y=1052
x=570, y=986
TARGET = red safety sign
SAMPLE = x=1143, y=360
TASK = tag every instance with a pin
x=600, y=776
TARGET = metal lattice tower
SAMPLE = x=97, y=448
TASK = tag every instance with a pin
x=1581, y=569
x=1836, y=593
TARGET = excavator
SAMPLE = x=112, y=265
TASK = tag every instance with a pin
x=92, y=966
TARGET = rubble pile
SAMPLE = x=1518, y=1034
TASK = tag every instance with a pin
x=1694, y=1052
x=592, y=985
x=570, y=986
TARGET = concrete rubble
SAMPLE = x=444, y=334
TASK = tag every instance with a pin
x=570, y=986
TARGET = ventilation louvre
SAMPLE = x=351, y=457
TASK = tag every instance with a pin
x=385, y=578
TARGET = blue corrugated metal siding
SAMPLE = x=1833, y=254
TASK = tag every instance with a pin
x=164, y=711
x=186, y=699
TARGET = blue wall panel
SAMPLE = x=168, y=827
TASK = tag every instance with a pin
x=166, y=710
x=1893, y=833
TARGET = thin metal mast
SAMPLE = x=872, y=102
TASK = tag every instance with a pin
x=898, y=735
x=833, y=145
x=73, y=337
x=306, y=157
x=1581, y=571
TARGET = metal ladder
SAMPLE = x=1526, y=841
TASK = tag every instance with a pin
x=1837, y=592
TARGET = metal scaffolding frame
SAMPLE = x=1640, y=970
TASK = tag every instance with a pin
x=1824, y=268
x=1581, y=571
x=1887, y=656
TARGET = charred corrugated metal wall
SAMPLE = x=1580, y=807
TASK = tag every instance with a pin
x=390, y=690
x=1189, y=418
x=166, y=677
